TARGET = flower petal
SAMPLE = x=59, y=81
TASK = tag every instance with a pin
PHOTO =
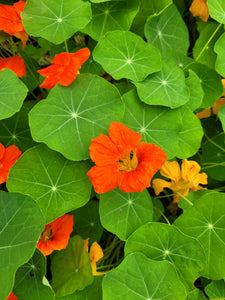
x=16, y=64
x=159, y=185
x=171, y=169
x=82, y=55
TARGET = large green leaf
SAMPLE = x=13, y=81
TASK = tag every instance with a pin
x=55, y=183
x=216, y=289
x=206, y=222
x=138, y=278
x=55, y=21
x=168, y=31
x=220, y=50
x=116, y=206
x=71, y=268
x=124, y=54
x=72, y=116
x=160, y=241
x=29, y=280
x=12, y=93
x=166, y=87
x=20, y=227
x=196, y=294
x=15, y=130
x=217, y=10
x=195, y=90
x=111, y=15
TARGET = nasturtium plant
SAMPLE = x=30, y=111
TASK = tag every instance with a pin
x=216, y=289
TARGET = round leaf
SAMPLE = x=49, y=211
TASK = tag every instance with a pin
x=138, y=278
x=166, y=87
x=20, y=227
x=160, y=241
x=55, y=21
x=72, y=116
x=116, y=206
x=111, y=15
x=55, y=183
x=216, y=289
x=12, y=93
x=217, y=10
x=71, y=268
x=195, y=91
x=206, y=222
x=168, y=31
x=124, y=54
x=220, y=61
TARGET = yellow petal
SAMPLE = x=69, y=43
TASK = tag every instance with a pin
x=201, y=178
x=159, y=184
x=171, y=169
x=199, y=8
x=94, y=270
x=189, y=170
x=96, y=252
x=86, y=244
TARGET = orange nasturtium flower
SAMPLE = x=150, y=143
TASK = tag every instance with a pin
x=183, y=181
x=200, y=8
x=12, y=297
x=96, y=254
x=11, y=22
x=8, y=157
x=14, y=63
x=56, y=234
x=122, y=160
x=64, y=69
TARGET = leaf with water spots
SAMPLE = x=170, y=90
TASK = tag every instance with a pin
x=55, y=21
x=71, y=117
x=205, y=221
x=116, y=206
x=55, y=183
x=124, y=54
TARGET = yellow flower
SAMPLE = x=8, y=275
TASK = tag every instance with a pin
x=200, y=8
x=96, y=254
x=183, y=180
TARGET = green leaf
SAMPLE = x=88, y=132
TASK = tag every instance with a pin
x=213, y=157
x=12, y=93
x=87, y=222
x=160, y=241
x=211, y=84
x=20, y=227
x=15, y=130
x=29, y=280
x=71, y=268
x=116, y=206
x=55, y=183
x=72, y=116
x=111, y=15
x=138, y=277
x=195, y=90
x=217, y=10
x=166, y=87
x=158, y=209
x=203, y=48
x=124, y=54
x=168, y=31
x=196, y=294
x=205, y=221
x=55, y=21
x=219, y=49
x=221, y=115
x=216, y=289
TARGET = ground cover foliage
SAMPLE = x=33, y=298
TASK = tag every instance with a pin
x=157, y=69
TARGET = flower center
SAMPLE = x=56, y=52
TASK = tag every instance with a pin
x=128, y=162
x=46, y=234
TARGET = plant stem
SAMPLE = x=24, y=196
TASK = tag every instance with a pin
x=66, y=46
x=162, y=214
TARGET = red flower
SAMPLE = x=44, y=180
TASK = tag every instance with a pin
x=121, y=160
x=56, y=234
x=12, y=297
x=14, y=63
x=64, y=69
x=10, y=20
x=8, y=156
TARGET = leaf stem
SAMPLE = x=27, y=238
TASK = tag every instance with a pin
x=162, y=214
x=183, y=197
x=66, y=46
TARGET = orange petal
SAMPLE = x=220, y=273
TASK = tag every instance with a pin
x=12, y=297
x=171, y=169
x=70, y=72
x=159, y=185
x=86, y=244
x=82, y=55
x=199, y=8
x=204, y=114
x=16, y=64
x=23, y=36
x=216, y=106
x=62, y=58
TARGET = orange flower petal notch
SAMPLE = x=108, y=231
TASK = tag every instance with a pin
x=64, y=68
x=12, y=297
x=56, y=234
x=14, y=63
x=8, y=156
x=11, y=22
x=121, y=160
x=200, y=8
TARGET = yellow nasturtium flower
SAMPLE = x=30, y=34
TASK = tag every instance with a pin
x=96, y=254
x=199, y=8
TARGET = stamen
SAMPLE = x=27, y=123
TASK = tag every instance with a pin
x=128, y=162
x=46, y=234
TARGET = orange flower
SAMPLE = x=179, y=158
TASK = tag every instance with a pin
x=64, y=69
x=56, y=234
x=14, y=63
x=184, y=180
x=8, y=157
x=200, y=8
x=121, y=160
x=12, y=297
x=10, y=20
x=96, y=254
